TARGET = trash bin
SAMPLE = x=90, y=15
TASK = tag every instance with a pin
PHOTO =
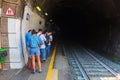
x=3, y=54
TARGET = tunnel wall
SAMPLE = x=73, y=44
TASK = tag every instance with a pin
x=10, y=32
x=112, y=42
x=108, y=39
x=107, y=24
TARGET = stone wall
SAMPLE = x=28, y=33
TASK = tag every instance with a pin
x=5, y=29
x=13, y=29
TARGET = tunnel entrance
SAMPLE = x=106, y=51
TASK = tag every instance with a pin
x=93, y=23
x=89, y=22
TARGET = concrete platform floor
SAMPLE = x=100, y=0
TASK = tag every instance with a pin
x=60, y=70
x=61, y=64
x=25, y=74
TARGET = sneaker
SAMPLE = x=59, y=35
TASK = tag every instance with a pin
x=33, y=72
x=44, y=60
x=40, y=71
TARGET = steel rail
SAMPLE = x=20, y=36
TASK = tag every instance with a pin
x=107, y=67
x=85, y=76
x=81, y=68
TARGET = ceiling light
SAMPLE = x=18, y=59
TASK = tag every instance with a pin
x=38, y=8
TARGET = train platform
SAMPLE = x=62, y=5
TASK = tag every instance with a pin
x=55, y=68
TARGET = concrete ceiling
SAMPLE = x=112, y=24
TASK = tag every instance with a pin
x=106, y=8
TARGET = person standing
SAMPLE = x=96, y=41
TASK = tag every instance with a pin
x=34, y=44
x=49, y=39
x=42, y=47
x=27, y=38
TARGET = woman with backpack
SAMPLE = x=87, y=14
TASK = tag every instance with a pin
x=34, y=44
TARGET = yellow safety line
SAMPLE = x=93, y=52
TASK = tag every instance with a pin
x=49, y=74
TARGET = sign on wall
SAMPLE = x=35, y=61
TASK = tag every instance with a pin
x=27, y=16
x=9, y=12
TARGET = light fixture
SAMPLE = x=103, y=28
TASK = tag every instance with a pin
x=51, y=20
x=46, y=14
x=38, y=8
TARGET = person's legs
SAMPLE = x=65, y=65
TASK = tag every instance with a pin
x=29, y=64
x=37, y=57
x=38, y=62
x=33, y=63
x=43, y=54
x=48, y=50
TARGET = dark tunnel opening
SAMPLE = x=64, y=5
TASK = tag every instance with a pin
x=76, y=26
x=89, y=22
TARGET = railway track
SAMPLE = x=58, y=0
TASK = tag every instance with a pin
x=85, y=66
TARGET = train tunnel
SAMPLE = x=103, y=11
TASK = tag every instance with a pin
x=93, y=23
x=90, y=23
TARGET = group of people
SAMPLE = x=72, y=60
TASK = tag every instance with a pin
x=38, y=46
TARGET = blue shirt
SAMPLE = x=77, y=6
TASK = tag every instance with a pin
x=35, y=41
x=27, y=38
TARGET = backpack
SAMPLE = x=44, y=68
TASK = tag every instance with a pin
x=47, y=39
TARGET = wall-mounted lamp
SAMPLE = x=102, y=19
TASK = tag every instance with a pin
x=38, y=8
x=46, y=14
x=51, y=20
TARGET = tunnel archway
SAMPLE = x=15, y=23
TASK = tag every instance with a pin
x=94, y=23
